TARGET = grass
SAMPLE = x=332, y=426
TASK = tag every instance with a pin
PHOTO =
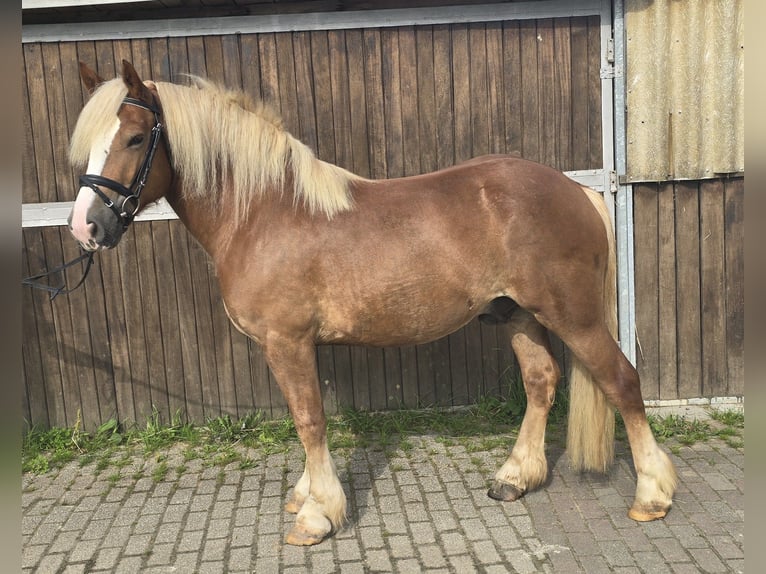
x=727, y=425
x=225, y=440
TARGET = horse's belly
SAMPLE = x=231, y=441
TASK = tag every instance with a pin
x=403, y=315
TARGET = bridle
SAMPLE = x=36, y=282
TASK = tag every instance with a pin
x=125, y=212
x=127, y=209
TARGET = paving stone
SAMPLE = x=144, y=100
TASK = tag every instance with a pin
x=423, y=510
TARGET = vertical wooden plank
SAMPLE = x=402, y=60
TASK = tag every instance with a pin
x=52, y=378
x=443, y=94
x=530, y=111
x=90, y=343
x=217, y=334
x=267, y=56
x=179, y=60
x=29, y=190
x=688, y=289
x=62, y=331
x=129, y=366
x=195, y=46
x=495, y=95
x=461, y=73
x=286, y=78
x=32, y=358
x=596, y=159
x=547, y=92
x=140, y=288
x=192, y=350
x=251, y=66
x=667, y=294
x=734, y=241
x=40, y=126
x=358, y=103
x=645, y=206
x=373, y=81
x=26, y=412
x=109, y=56
x=563, y=93
x=304, y=90
x=477, y=71
x=214, y=62
x=579, y=91
x=232, y=65
x=512, y=84
x=73, y=103
x=713, y=288
x=170, y=336
x=159, y=65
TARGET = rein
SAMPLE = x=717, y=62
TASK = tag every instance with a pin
x=125, y=212
x=34, y=280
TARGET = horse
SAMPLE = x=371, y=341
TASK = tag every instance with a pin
x=308, y=253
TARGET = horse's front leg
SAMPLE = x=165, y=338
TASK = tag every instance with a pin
x=319, y=498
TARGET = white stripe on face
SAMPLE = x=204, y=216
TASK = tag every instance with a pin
x=99, y=151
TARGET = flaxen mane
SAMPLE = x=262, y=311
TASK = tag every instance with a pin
x=218, y=135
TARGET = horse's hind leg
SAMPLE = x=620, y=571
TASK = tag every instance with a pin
x=526, y=467
x=619, y=381
x=319, y=499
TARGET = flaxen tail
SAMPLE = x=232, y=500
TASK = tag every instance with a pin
x=590, y=436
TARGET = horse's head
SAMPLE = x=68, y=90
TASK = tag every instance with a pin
x=127, y=161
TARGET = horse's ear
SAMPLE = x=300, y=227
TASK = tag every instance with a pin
x=136, y=88
x=90, y=79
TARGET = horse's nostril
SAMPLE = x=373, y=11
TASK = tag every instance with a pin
x=92, y=228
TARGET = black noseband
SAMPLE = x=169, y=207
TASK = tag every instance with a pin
x=128, y=207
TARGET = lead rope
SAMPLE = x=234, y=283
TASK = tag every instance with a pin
x=34, y=280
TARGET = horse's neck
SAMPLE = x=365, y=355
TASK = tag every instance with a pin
x=215, y=224
x=211, y=227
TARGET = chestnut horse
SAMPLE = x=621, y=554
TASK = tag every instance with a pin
x=306, y=253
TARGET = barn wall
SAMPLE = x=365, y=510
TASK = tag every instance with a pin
x=148, y=330
x=689, y=253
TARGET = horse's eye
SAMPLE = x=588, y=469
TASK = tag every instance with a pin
x=136, y=140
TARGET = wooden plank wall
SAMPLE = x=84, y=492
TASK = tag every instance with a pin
x=148, y=330
x=689, y=254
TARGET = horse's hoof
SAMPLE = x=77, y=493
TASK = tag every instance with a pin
x=647, y=514
x=299, y=537
x=504, y=491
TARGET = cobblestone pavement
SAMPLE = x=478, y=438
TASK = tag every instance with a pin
x=421, y=507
